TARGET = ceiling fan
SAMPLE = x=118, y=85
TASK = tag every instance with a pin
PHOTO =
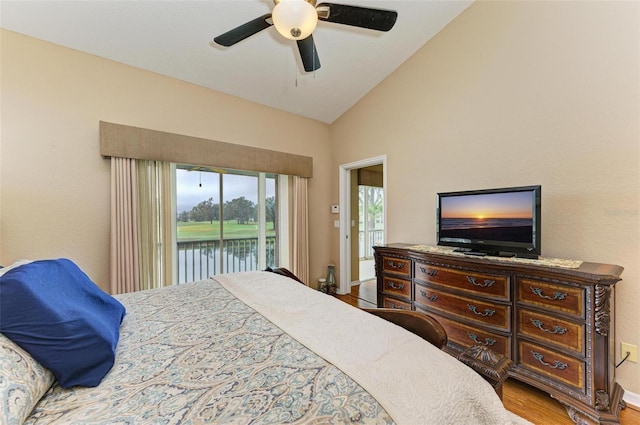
x=296, y=20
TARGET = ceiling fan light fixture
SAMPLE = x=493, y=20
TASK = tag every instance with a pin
x=294, y=19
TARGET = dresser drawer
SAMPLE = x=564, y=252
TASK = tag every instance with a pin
x=394, y=303
x=467, y=336
x=551, y=330
x=562, y=298
x=492, y=314
x=399, y=266
x=560, y=368
x=478, y=284
x=398, y=287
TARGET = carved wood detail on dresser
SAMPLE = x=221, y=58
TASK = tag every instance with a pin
x=555, y=323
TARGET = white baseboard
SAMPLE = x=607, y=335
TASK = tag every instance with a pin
x=358, y=282
x=632, y=398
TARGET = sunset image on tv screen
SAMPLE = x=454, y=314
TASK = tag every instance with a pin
x=492, y=216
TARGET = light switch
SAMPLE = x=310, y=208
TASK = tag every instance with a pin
x=336, y=224
x=335, y=209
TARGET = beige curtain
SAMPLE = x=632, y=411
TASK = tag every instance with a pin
x=141, y=225
x=300, y=229
x=125, y=273
x=155, y=224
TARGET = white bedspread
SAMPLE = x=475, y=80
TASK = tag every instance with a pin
x=414, y=381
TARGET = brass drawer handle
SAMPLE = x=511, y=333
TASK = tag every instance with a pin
x=394, y=285
x=487, y=341
x=433, y=297
x=430, y=272
x=556, y=329
x=557, y=364
x=395, y=265
x=487, y=311
x=399, y=307
x=486, y=284
x=556, y=295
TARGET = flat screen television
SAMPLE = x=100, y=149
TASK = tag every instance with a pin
x=498, y=222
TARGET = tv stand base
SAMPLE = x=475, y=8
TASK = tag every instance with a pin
x=505, y=254
x=476, y=253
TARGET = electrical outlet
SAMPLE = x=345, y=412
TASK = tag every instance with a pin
x=633, y=349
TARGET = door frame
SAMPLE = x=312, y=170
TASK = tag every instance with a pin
x=345, y=214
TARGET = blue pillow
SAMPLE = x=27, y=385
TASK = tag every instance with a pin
x=56, y=313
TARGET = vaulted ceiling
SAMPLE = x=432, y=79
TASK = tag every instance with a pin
x=174, y=38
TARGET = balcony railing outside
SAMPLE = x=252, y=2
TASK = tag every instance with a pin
x=200, y=259
x=375, y=236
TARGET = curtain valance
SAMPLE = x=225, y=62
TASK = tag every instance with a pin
x=117, y=140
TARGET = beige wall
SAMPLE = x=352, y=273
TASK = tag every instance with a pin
x=519, y=93
x=55, y=185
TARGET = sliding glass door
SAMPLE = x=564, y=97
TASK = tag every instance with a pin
x=226, y=221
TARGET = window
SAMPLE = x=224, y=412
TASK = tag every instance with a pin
x=226, y=221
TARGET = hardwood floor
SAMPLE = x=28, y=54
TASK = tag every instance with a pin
x=524, y=400
x=362, y=296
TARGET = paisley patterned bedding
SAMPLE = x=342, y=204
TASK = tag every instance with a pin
x=259, y=348
x=194, y=354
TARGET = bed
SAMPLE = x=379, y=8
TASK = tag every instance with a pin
x=246, y=348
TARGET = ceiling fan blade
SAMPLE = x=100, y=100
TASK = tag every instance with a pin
x=363, y=17
x=308, y=54
x=237, y=34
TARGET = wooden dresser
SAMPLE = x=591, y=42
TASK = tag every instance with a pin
x=555, y=323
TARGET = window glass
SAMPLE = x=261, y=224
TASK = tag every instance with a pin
x=220, y=227
x=371, y=219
